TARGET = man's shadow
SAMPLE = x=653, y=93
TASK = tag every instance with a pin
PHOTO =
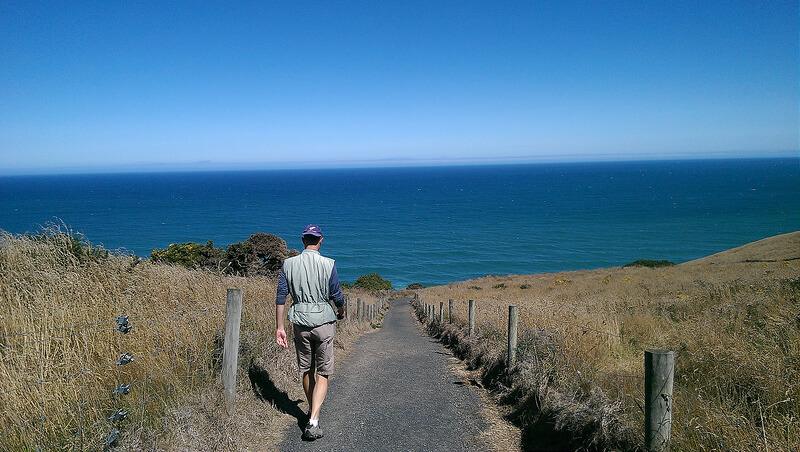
x=266, y=390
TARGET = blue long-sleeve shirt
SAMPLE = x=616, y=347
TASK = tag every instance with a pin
x=334, y=289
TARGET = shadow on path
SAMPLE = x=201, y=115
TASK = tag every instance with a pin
x=266, y=390
x=395, y=392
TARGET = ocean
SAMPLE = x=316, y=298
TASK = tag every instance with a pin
x=432, y=225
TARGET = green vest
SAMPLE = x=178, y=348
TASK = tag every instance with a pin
x=308, y=279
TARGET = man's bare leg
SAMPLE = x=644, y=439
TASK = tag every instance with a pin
x=319, y=391
x=309, y=383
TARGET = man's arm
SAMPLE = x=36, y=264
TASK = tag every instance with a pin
x=336, y=294
x=280, y=305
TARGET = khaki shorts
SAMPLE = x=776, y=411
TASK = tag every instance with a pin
x=314, y=348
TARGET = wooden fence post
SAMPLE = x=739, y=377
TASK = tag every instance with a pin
x=513, y=317
x=450, y=310
x=230, y=347
x=471, y=317
x=347, y=308
x=441, y=312
x=360, y=312
x=659, y=371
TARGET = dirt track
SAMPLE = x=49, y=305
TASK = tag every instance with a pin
x=396, y=392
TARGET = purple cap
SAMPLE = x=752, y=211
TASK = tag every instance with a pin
x=312, y=229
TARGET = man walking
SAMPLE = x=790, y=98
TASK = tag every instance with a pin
x=312, y=281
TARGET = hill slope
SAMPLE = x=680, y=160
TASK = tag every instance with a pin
x=733, y=319
x=784, y=247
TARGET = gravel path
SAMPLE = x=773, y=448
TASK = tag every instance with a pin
x=396, y=392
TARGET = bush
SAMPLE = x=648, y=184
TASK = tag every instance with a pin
x=415, y=286
x=260, y=254
x=189, y=255
x=373, y=281
x=649, y=263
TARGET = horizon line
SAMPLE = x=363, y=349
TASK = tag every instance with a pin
x=217, y=166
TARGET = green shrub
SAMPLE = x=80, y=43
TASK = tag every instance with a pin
x=792, y=284
x=189, y=254
x=499, y=286
x=475, y=287
x=415, y=286
x=260, y=254
x=524, y=286
x=372, y=281
x=649, y=263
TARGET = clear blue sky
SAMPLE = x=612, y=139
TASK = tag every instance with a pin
x=110, y=85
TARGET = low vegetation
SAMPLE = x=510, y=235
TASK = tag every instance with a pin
x=60, y=342
x=649, y=263
x=733, y=320
x=372, y=281
x=261, y=254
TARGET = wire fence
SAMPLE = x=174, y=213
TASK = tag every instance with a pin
x=77, y=387
x=707, y=418
x=702, y=416
x=83, y=386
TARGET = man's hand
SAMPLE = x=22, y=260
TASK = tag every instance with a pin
x=280, y=338
x=340, y=313
x=280, y=331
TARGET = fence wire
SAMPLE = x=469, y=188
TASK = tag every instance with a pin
x=679, y=351
x=126, y=374
x=178, y=338
x=633, y=390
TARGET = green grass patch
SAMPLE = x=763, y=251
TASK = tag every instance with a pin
x=649, y=263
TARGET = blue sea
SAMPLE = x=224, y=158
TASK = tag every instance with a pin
x=432, y=225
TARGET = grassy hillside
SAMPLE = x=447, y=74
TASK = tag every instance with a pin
x=59, y=349
x=733, y=319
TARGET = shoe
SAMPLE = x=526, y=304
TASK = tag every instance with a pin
x=312, y=432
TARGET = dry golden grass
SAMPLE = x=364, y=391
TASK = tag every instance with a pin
x=59, y=346
x=732, y=318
